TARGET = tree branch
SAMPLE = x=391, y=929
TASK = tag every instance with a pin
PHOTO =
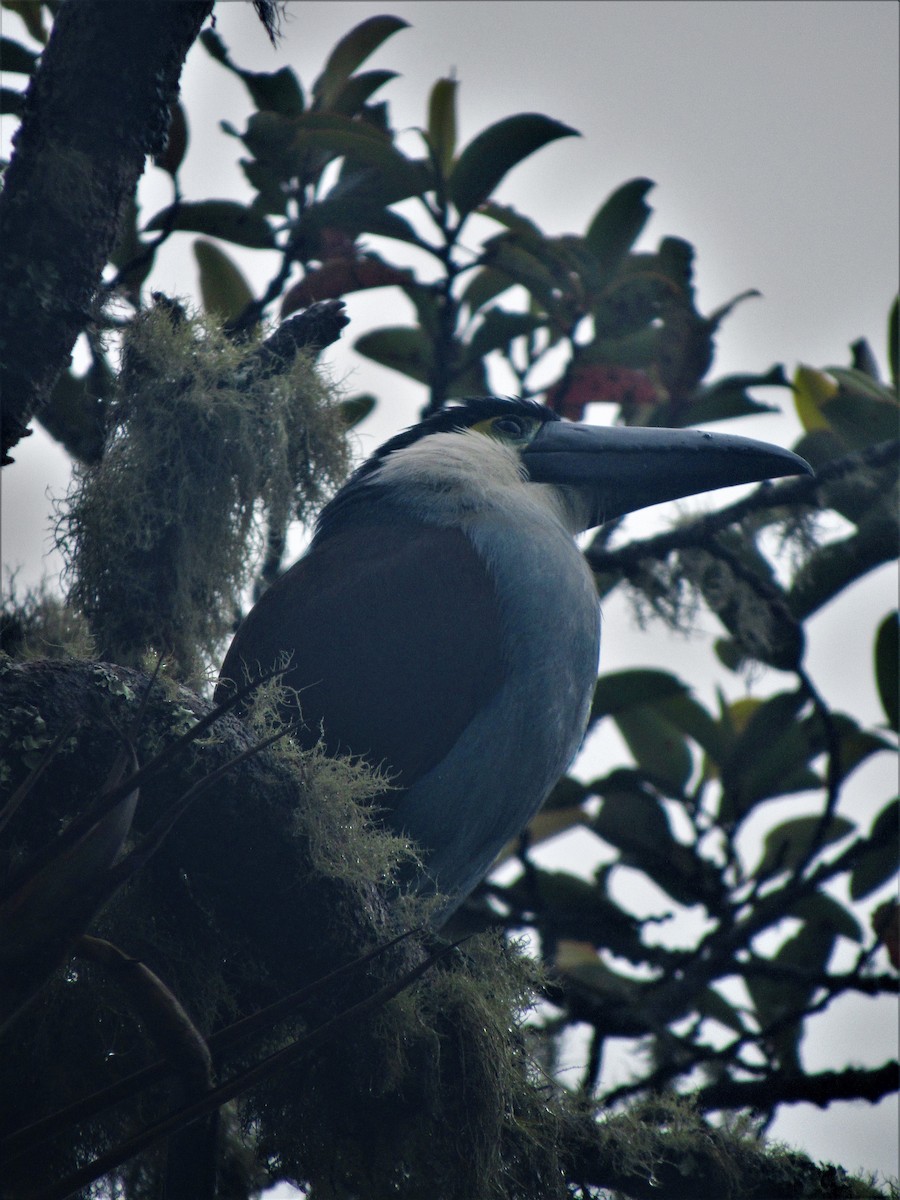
x=668, y=1152
x=827, y=1087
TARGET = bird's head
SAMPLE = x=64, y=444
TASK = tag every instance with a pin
x=591, y=474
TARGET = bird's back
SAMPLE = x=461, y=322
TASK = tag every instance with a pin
x=453, y=658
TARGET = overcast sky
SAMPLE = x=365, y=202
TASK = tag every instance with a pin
x=770, y=129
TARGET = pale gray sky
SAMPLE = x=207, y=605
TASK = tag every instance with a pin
x=770, y=128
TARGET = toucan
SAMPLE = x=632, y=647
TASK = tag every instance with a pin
x=443, y=624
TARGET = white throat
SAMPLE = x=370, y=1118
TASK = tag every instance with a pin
x=452, y=478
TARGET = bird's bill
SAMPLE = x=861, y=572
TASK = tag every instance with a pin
x=631, y=467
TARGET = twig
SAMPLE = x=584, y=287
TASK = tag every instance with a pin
x=822, y=1089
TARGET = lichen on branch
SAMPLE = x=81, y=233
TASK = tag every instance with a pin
x=209, y=444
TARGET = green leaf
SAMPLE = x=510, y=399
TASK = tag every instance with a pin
x=634, y=301
x=675, y=259
x=543, y=827
x=76, y=411
x=356, y=214
x=224, y=290
x=484, y=286
x=495, y=151
x=657, y=746
x=893, y=338
x=270, y=197
x=728, y=397
x=787, y=844
x=468, y=379
x=527, y=232
x=402, y=348
x=214, y=46
x=682, y=873
x=878, y=860
x=859, y=418
x=811, y=389
x=640, y=349
x=442, y=123
x=579, y=909
x=855, y=407
x=632, y=819
x=16, y=58
x=350, y=52
x=863, y=359
x=718, y=315
x=357, y=90
x=520, y=266
x=887, y=657
x=171, y=158
x=730, y=654
x=806, y=953
x=618, y=223
x=498, y=329
x=619, y=996
x=855, y=745
x=357, y=408
x=859, y=384
x=378, y=187
x=820, y=909
x=714, y=1007
x=768, y=758
x=688, y=715
x=429, y=310
x=275, y=91
x=567, y=793
x=269, y=137
x=12, y=102
x=724, y=406
x=302, y=146
x=333, y=135
x=224, y=219
x=687, y=876
x=619, y=690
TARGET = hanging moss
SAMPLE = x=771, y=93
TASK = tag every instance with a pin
x=206, y=449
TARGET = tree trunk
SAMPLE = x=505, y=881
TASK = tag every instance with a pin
x=98, y=104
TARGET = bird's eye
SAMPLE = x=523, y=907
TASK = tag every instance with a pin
x=514, y=428
x=509, y=426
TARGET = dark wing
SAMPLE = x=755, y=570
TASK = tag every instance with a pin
x=395, y=635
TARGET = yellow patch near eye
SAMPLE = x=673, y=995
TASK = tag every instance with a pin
x=483, y=426
x=514, y=429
